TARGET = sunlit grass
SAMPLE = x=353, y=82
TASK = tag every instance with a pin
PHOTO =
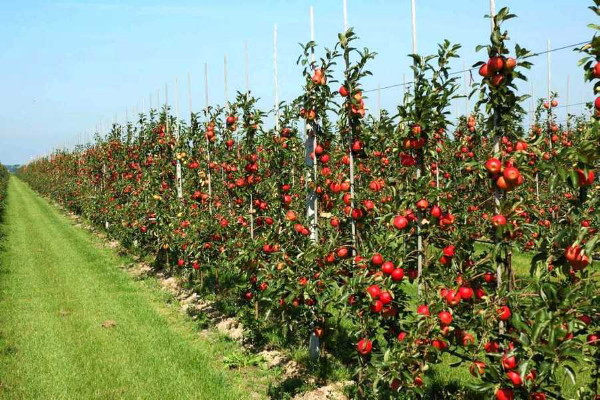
x=58, y=287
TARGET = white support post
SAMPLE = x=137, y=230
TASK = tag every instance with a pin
x=206, y=86
x=246, y=66
x=167, y=100
x=345, y=3
x=178, y=175
x=225, y=78
x=413, y=17
x=276, y=78
x=177, y=131
x=247, y=79
x=350, y=155
x=467, y=85
x=379, y=99
x=208, y=159
x=312, y=27
x=549, y=69
x=102, y=184
x=310, y=144
x=189, y=87
x=531, y=107
x=549, y=94
x=420, y=161
x=532, y=120
x=497, y=193
x=567, y=100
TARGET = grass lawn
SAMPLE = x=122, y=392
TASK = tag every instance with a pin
x=58, y=286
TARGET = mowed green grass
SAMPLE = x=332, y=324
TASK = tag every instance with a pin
x=57, y=287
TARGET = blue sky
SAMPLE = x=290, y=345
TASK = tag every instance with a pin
x=68, y=66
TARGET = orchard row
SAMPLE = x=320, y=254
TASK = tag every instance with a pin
x=390, y=238
x=3, y=187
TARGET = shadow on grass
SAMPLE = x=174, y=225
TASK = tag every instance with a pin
x=287, y=389
x=451, y=390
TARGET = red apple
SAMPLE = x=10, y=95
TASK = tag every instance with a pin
x=388, y=267
x=445, y=317
x=503, y=313
x=374, y=291
x=493, y=165
x=515, y=378
x=377, y=259
x=400, y=222
x=397, y=274
x=504, y=394
x=423, y=310
x=498, y=220
x=364, y=346
x=596, y=70
x=509, y=362
x=484, y=71
x=510, y=64
x=495, y=64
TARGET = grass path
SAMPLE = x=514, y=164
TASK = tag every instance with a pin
x=57, y=287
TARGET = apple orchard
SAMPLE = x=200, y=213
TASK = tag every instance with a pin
x=392, y=238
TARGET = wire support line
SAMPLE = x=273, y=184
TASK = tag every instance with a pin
x=472, y=69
